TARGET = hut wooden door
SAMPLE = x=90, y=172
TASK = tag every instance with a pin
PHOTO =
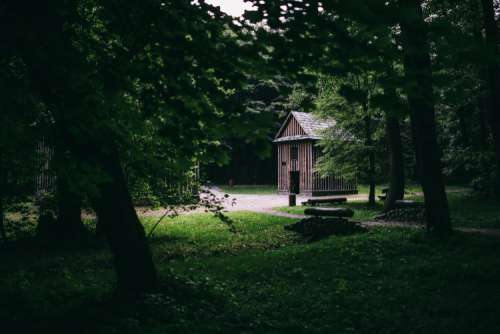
x=295, y=182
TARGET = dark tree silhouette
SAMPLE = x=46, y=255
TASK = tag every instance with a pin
x=420, y=94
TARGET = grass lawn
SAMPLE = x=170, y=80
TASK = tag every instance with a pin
x=474, y=211
x=411, y=188
x=362, y=211
x=467, y=210
x=249, y=189
x=264, y=279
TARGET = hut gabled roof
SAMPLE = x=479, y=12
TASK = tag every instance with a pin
x=310, y=124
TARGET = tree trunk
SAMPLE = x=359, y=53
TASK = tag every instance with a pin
x=134, y=265
x=69, y=201
x=69, y=209
x=493, y=104
x=133, y=261
x=397, y=175
x=483, y=127
x=462, y=126
x=3, y=185
x=417, y=170
x=371, y=155
x=3, y=234
x=371, y=195
x=420, y=94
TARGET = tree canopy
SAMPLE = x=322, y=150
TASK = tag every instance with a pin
x=130, y=97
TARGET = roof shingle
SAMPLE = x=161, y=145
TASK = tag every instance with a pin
x=311, y=125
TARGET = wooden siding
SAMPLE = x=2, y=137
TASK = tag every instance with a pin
x=179, y=184
x=303, y=165
x=293, y=129
x=45, y=181
x=311, y=183
x=186, y=183
x=332, y=183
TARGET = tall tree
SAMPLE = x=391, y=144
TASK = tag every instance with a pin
x=357, y=90
x=69, y=199
x=114, y=74
x=493, y=64
x=397, y=178
x=68, y=100
x=391, y=102
x=460, y=81
x=420, y=95
x=355, y=139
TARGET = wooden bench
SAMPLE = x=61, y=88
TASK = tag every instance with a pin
x=329, y=212
x=327, y=200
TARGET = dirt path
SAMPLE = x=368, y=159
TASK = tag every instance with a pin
x=267, y=204
x=258, y=203
x=237, y=202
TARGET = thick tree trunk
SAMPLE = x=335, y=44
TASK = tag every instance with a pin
x=69, y=201
x=134, y=266
x=135, y=270
x=69, y=209
x=420, y=94
x=397, y=175
x=493, y=104
x=117, y=219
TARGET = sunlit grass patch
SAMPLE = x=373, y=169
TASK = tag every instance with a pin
x=362, y=210
x=249, y=189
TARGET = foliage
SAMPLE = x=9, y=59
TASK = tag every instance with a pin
x=259, y=281
x=346, y=146
x=133, y=81
x=18, y=132
x=338, y=39
x=266, y=101
x=461, y=82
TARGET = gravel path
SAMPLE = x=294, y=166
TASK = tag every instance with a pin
x=267, y=203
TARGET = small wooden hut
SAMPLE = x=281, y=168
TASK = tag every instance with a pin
x=297, y=155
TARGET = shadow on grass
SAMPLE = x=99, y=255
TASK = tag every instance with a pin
x=317, y=228
x=372, y=274
x=179, y=306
